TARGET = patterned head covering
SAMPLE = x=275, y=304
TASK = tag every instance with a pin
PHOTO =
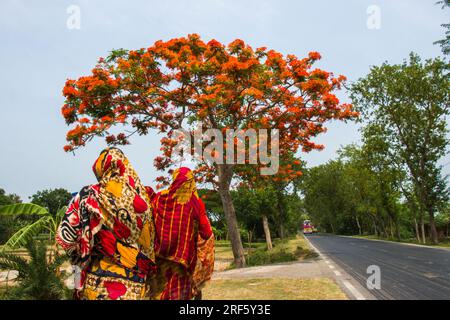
x=114, y=216
x=123, y=199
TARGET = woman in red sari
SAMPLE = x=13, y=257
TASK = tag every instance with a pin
x=181, y=229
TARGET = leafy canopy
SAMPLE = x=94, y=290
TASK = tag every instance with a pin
x=184, y=82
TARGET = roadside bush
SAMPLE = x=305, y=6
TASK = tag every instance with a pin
x=261, y=257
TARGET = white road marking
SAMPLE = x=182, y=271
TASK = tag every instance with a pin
x=353, y=290
x=331, y=266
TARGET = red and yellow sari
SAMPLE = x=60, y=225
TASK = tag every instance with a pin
x=108, y=231
x=181, y=224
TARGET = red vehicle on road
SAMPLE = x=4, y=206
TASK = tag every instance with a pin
x=308, y=227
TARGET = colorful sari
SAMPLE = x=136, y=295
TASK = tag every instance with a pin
x=108, y=231
x=205, y=265
x=180, y=221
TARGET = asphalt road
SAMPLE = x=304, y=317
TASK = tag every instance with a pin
x=407, y=272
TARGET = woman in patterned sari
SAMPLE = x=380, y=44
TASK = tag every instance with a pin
x=181, y=224
x=108, y=231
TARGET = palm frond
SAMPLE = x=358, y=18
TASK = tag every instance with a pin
x=38, y=279
x=11, y=261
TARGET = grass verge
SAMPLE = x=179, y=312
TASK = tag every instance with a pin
x=285, y=250
x=273, y=289
x=443, y=244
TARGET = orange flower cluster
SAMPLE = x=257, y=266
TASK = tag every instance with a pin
x=186, y=80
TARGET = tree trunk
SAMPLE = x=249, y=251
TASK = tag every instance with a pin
x=383, y=232
x=416, y=226
x=422, y=228
x=359, y=225
x=225, y=174
x=391, y=229
x=282, y=233
x=375, y=229
x=281, y=212
x=433, y=231
x=397, y=229
x=267, y=232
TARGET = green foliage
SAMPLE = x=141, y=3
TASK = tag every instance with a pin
x=22, y=209
x=284, y=250
x=37, y=276
x=405, y=108
x=445, y=43
x=262, y=257
x=46, y=223
x=247, y=205
x=8, y=224
x=52, y=199
x=283, y=209
x=21, y=221
x=387, y=185
x=8, y=198
x=250, y=205
x=355, y=194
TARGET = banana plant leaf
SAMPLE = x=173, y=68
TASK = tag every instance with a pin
x=47, y=223
x=23, y=209
x=20, y=238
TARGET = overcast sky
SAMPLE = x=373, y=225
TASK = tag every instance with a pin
x=38, y=52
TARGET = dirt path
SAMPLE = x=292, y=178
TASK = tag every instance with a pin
x=313, y=268
x=306, y=280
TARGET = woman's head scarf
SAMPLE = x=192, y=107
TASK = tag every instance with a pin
x=116, y=211
x=125, y=208
x=179, y=216
x=183, y=186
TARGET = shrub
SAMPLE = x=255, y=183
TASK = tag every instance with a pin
x=38, y=278
x=261, y=257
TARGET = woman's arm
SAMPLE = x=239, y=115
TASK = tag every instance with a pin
x=204, y=226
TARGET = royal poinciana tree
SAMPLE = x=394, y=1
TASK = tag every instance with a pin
x=184, y=82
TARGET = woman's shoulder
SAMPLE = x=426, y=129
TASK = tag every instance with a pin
x=87, y=191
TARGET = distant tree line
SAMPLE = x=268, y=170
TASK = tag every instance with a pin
x=393, y=184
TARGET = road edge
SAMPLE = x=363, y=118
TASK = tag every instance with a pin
x=396, y=242
x=343, y=279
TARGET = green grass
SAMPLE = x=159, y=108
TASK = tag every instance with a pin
x=292, y=249
x=273, y=289
x=283, y=251
x=442, y=244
